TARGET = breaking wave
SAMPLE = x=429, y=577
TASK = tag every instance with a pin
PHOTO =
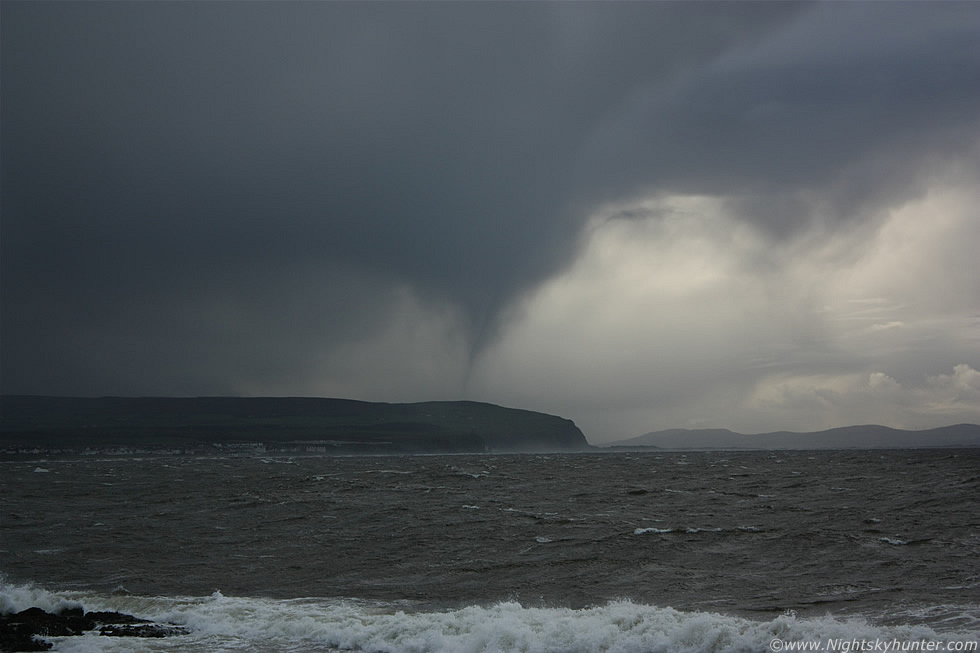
x=224, y=623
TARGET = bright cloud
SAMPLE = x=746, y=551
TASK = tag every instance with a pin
x=678, y=315
x=637, y=215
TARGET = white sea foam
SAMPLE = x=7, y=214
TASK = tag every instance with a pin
x=15, y=598
x=246, y=624
x=694, y=530
x=226, y=623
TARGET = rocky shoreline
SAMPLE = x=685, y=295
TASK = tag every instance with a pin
x=25, y=630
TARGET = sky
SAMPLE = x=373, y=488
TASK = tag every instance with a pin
x=639, y=216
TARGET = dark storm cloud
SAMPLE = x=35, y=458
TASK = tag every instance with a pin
x=200, y=193
x=841, y=108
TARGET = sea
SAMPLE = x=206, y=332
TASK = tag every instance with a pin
x=627, y=552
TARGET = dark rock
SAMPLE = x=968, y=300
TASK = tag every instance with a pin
x=19, y=632
x=19, y=636
x=70, y=621
x=107, y=618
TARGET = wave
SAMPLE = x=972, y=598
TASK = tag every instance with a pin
x=224, y=623
x=692, y=530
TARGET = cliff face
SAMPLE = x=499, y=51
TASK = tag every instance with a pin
x=279, y=424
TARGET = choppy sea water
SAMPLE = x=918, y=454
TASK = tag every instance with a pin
x=630, y=552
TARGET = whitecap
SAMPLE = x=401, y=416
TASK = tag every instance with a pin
x=16, y=598
x=250, y=625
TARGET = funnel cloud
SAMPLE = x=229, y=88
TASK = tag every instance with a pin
x=756, y=216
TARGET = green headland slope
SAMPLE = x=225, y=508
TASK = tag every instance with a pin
x=300, y=424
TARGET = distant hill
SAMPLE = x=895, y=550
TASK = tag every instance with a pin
x=298, y=424
x=848, y=437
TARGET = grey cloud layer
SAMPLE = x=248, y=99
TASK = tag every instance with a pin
x=205, y=197
x=840, y=108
